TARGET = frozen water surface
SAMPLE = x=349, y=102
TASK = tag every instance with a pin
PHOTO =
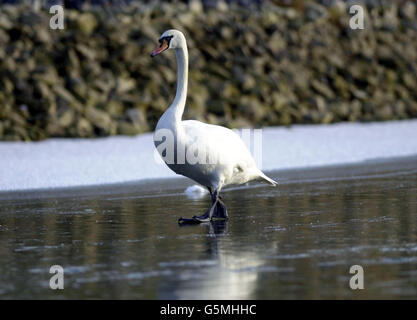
x=347, y=196
x=294, y=241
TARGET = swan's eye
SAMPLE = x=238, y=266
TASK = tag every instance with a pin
x=167, y=39
x=163, y=45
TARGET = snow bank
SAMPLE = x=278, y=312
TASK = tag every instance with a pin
x=79, y=162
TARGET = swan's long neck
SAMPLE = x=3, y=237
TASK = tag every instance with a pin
x=178, y=105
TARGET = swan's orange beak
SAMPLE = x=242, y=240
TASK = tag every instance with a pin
x=160, y=49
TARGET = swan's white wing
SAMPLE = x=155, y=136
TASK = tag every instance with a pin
x=225, y=151
x=219, y=141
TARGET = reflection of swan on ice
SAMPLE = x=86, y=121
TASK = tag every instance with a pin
x=221, y=273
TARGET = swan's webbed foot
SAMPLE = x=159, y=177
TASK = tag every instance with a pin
x=198, y=219
x=217, y=211
x=184, y=221
x=203, y=218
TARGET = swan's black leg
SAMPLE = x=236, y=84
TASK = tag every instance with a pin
x=217, y=211
x=221, y=211
x=203, y=218
x=211, y=211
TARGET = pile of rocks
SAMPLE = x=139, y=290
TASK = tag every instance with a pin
x=272, y=66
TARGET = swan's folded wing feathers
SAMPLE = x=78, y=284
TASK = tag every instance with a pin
x=220, y=142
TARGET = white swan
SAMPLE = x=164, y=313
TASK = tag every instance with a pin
x=228, y=161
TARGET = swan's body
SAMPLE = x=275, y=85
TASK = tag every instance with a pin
x=226, y=160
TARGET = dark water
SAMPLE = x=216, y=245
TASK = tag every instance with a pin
x=295, y=241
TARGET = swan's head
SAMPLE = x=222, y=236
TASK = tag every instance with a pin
x=170, y=39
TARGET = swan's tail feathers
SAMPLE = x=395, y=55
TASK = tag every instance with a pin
x=268, y=179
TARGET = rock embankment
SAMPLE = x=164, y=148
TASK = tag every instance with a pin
x=268, y=66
